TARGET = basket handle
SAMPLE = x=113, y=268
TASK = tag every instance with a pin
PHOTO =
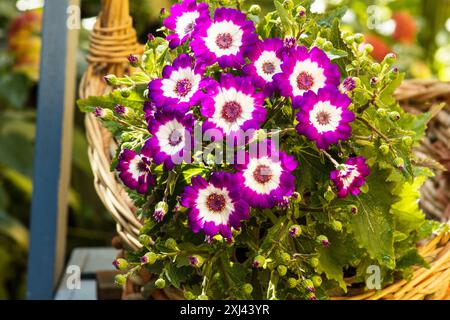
x=112, y=40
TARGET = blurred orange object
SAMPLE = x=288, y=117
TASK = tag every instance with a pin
x=380, y=48
x=24, y=42
x=405, y=27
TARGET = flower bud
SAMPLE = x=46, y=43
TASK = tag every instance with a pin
x=120, y=110
x=144, y=239
x=301, y=11
x=247, y=289
x=390, y=58
x=368, y=48
x=295, y=231
x=336, y=225
x=349, y=40
x=111, y=80
x=399, y=163
x=195, y=261
x=150, y=37
x=289, y=42
x=282, y=270
x=407, y=141
x=292, y=282
x=285, y=258
x=296, y=197
x=394, y=116
x=202, y=297
x=149, y=258
x=327, y=46
x=381, y=112
x=258, y=262
x=349, y=84
x=311, y=296
x=288, y=4
x=161, y=210
x=314, y=262
x=120, y=264
x=308, y=285
x=188, y=295
x=103, y=113
x=133, y=60
x=317, y=281
x=171, y=244
x=353, y=209
x=125, y=92
x=384, y=149
x=323, y=240
x=120, y=279
x=359, y=38
x=375, y=68
x=255, y=9
x=160, y=283
x=373, y=81
x=329, y=195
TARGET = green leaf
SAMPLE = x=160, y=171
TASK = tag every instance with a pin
x=326, y=20
x=336, y=256
x=411, y=258
x=285, y=17
x=134, y=101
x=176, y=275
x=373, y=225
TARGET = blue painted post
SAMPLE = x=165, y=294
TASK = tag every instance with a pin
x=53, y=148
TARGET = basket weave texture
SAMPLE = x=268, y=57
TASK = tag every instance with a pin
x=113, y=38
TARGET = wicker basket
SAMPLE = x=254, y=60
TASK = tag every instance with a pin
x=114, y=38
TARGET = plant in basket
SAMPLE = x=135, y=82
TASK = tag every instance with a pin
x=266, y=156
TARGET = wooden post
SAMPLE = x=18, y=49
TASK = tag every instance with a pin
x=53, y=151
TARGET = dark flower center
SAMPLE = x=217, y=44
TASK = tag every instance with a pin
x=231, y=111
x=262, y=174
x=142, y=166
x=305, y=81
x=216, y=202
x=323, y=118
x=224, y=40
x=189, y=28
x=268, y=67
x=183, y=87
x=175, y=138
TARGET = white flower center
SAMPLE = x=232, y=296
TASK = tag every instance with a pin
x=348, y=175
x=262, y=175
x=325, y=117
x=232, y=109
x=214, y=204
x=137, y=167
x=182, y=84
x=171, y=137
x=185, y=23
x=267, y=65
x=224, y=38
x=307, y=75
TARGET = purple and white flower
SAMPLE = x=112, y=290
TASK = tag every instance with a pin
x=180, y=86
x=324, y=117
x=171, y=140
x=182, y=20
x=265, y=62
x=232, y=105
x=266, y=178
x=215, y=205
x=350, y=178
x=134, y=170
x=227, y=39
x=305, y=71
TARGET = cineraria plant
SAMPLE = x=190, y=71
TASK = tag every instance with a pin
x=266, y=155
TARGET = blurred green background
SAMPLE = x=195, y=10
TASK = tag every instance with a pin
x=417, y=30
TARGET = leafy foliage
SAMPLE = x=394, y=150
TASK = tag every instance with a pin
x=339, y=238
